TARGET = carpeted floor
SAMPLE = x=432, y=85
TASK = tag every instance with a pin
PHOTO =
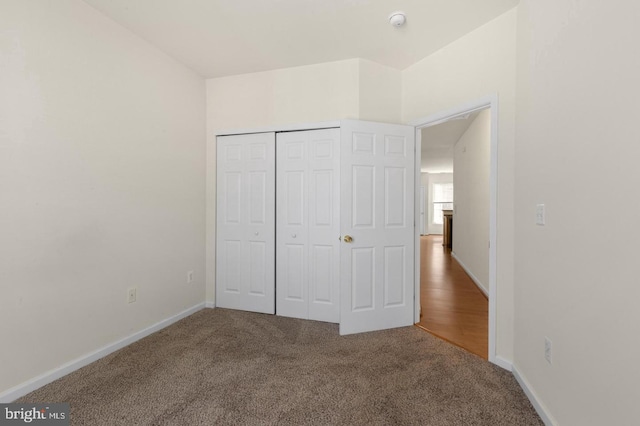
x=229, y=367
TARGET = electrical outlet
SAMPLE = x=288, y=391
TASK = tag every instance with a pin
x=547, y=350
x=131, y=295
x=540, y=214
x=189, y=277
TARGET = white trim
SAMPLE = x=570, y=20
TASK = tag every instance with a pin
x=452, y=113
x=539, y=406
x=416, y=250
x=503, y=363
x=282, y=128
x=475, y=279
x=210, y=305
x=423, y=204
x=71, y=366
x=490, y=101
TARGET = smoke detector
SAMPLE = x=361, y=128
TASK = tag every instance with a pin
x=397, y=19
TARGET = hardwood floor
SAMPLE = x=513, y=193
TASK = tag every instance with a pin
x=453, y=308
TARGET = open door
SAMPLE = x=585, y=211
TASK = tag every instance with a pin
x=377, y=226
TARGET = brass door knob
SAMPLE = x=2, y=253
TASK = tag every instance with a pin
x=347, y=238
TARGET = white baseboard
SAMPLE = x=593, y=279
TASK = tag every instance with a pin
x=209, y=305
x=503, y=363
x=71, y=366
x=540, y=408
x=475, y=279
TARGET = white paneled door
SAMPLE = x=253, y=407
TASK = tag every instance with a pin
x=245, y=223
x=377, y=226
x=307, y=223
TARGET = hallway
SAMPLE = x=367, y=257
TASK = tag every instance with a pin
x=453, y=307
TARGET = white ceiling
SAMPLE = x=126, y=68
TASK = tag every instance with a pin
x=438, y=142
x=226, y=37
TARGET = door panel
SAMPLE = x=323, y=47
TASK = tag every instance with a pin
x=394, y=274
x=257, y=198
x=364, y=195
x=231, y=271
x=295, y=278
x=322, y=202
x=307, y=246
x=395, y=193
x=258, y=268
x=321, y=274
x=294, y=193
x=245, y=224
x=232, y=185
x=364, y=278
x=377, y=211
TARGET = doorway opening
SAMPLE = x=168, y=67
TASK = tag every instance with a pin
x=473, y=255
x=453, y=307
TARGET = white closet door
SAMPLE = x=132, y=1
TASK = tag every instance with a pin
x=307, y=246
x=245, y=223
x=324, y=225
x=292, y=271
x=377, y=215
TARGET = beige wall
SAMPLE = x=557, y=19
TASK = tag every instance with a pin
x=102, y=145
x=479, y=64
x=319, y=92
x=380, y=90
x=355, y=88
x=471, y=156
x=577, y=152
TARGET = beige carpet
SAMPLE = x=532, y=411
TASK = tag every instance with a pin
x=229, y=367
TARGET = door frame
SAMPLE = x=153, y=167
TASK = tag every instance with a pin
x=423, y=210
x=488, y=102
